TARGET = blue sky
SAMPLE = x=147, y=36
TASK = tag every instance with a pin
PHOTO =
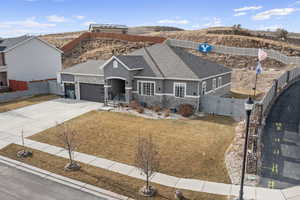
x=18, y=17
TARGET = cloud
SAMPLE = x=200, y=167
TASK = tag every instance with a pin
x=28, y=23
x=247, y=8
x=240, y=14
x=79, y=17
x=56, y=18
x=216, y=21
x=274, y=12
x=170, y=21
x=21, y=27
x=88, y=23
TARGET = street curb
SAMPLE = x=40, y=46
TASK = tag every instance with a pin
x=93, y=190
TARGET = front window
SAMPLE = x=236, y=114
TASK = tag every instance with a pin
x=220, y=81
x=179, y=90
x=204, y=88
x=214, y=84
x=146, y=88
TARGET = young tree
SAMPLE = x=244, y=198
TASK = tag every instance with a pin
x=68, y=138
x=147, y=160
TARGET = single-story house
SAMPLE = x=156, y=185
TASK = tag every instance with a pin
x=156, y=75
x=27, y=58
x=108, y=28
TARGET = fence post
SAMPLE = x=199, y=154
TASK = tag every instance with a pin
x=276, y=87
x=288, y=76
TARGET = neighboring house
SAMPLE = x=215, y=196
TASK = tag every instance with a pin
x=27, y=58
x=108, y=28
x=156, y=75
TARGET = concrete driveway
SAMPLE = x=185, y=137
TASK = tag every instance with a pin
x=36, y=118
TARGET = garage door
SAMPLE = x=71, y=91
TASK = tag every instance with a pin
x=91, y=92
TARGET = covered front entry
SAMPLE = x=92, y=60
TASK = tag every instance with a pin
x=117, y=89
x=91, y=92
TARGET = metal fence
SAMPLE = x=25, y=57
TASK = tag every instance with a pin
x=34, y=88
x=236, y=51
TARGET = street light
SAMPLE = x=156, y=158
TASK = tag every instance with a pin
x=248, y=108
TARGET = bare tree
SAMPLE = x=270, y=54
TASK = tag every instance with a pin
x=68, y=138
x=147, y=160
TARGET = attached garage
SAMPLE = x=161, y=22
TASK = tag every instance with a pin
x=91, y=92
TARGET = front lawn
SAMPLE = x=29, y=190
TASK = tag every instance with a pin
x=114, y=182
x=188, y=148
x=4, y=107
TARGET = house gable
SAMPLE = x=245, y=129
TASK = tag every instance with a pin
x=121, y=71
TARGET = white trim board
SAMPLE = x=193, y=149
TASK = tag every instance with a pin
x=124, y=65
x=80, y=74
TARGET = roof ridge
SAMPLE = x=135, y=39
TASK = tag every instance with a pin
x=154, y=62
x=186, y=65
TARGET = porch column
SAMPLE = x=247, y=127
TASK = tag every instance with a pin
x=128, y=94
x=106, y=92
x=77, y=90
x=128, y=90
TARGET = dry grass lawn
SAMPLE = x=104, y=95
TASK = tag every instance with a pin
x=102, y=178
x=188, y=148
x=4, y=107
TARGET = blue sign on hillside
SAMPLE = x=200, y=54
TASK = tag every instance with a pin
x=205, y=48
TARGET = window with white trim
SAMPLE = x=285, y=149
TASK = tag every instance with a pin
x=214, y=84
x=179, y=90
x=146, y=88
x=220, y=82
x=115, y=64
x=204, y=86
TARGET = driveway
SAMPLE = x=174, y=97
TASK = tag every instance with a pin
x=281, y=141
x=16, y=185
x=38, y=117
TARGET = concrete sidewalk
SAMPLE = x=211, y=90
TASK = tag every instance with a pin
x=257, y=193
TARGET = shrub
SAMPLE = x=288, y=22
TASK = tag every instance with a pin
x=186, y=110
x=156, y=108
x=140, y=110
x=134, y=104
x=167, y=113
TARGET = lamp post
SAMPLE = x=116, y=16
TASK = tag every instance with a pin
x=248, y=108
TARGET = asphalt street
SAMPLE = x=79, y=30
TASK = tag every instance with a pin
x=19, y=185
x=281, y=141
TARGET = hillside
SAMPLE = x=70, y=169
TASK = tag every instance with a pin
x=60, y=39
x=243, y=66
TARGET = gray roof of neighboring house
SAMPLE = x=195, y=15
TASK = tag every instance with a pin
x=11, y=42
x=91, y=67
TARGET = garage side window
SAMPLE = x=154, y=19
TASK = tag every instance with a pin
x=179, y=90
x=146, y=88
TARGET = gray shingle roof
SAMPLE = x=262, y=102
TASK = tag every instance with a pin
x=11, y=42
x=91, y=67
x=201, y=67
x=171, y=62
x=133, y=62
